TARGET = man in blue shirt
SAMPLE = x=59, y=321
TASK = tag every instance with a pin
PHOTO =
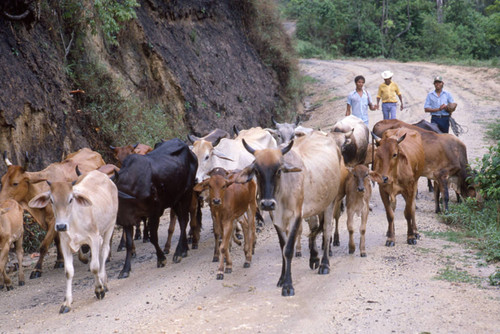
x=440, y=104
x=359, y=100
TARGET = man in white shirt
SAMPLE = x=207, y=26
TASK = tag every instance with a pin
x=359, y=100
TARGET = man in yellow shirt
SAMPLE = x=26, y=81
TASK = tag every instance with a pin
x=387, y=91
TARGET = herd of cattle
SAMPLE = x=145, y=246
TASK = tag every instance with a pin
x=294, y=173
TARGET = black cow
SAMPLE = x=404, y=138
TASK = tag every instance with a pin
x=148, y=184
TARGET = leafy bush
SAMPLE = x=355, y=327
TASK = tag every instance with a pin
x=493, y=129
x=33, y=235
x=488, y=177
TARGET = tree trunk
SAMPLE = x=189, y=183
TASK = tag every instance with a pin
x=439, y=4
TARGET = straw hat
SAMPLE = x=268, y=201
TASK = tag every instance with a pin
x=387, y=74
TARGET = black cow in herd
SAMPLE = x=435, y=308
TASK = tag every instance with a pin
x=148, y=184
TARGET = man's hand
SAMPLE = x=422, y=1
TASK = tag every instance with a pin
x=451, y=107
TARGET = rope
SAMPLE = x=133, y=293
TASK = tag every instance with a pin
x=457, y=128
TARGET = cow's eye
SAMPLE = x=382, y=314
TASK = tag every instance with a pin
x=71, y=200
x=15, y=184
x=278, y=172
x=394, y=155
x=206, y=157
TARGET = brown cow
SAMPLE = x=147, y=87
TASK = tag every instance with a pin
x=229, y=201
x=22, y=186
x=445, y=159
x=399, y=162
x=358, y=192
x=11, y=231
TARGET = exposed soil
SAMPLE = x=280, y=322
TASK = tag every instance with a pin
x=392, y=290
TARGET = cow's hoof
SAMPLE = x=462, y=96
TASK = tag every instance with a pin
x=314, y=263
x=36, y=274
x=330, y=252
x=177, y=259
x=215, y=259
x=351, y=251
x=100, y=294
x=161, y=263
x=194, y=246
x=246, y=265
x=239, y=236
x=363, y=255
x=166, y=251
x=119, y=249
x=260, y=224
x=133, y=255
x=145, y=240
x=298, y=254
x=9, y=287
x=228, y=270
x=258, y=230
x=336, y=243
x=59, y=264
x=123, y=274
x=287, y=291
x=1, y=286
x=417, y=236
x=220, y=276
x=184, y=254
x=137, y=236
x=21, y=283
x=324, y=270
x=412, y=241
x=389, y=243
x=190, y=240
x=64, y=309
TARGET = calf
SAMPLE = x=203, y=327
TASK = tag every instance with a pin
x=11, y=231
x=85, y=213
x=229, y=201
x=358, y=192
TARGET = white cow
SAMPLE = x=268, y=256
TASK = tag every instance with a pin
x=352, y=135
x=85, y=214
x=230, y=153
x=11, y=231
x=296, y=183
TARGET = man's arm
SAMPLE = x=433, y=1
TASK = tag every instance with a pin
x=348, y=110
x=401, y=100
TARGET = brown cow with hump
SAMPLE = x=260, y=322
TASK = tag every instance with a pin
x=20, y=185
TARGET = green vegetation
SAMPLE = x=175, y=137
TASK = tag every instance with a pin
x=402, y=29
x=33, y=234
x=456, y=275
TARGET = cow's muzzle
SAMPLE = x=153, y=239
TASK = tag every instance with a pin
x=385, y=179
x=61, y=227
x=268, y=204
x=216, y=201
x=361, y=189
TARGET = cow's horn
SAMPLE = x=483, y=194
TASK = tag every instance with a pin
x=287, y=148
x=135, y=146
x=6, y=160
x=192, y=138
x=274, y=121
x=377, y=138
x=235, y=129
x=248, y=147
x=402, y=138
x=297, y=121
x=26, y=161
x=112, y=147
x=77, y=171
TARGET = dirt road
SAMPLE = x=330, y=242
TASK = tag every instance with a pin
x=393, y=290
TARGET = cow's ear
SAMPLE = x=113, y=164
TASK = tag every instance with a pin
x=272, y=131
x=349, y=169
x=374, y=176
x=199, y=187
x=246, y=174
x=81, y=199
x=40, y=201
x=287, y=168
x=4, y=210
x=402, y=138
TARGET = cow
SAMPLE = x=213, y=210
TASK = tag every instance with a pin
x=398, y=164
x=229, y=153
x=423, y=124
x=109, y=169
x=445, y=159
x=148, y=184
x=352, y=136
x=85, y=213
x=228, y=202
x=120, y=153
x=11, y=231
x=285, y=132
x=358, y=192
x=296, y=183
x=22, y=186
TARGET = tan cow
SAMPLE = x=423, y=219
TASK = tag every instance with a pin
x=11, y=231
x=85, y=214
x=228, y=202
x=296, y=183
x=399, y=162
x=121, y=152
x=20, y=185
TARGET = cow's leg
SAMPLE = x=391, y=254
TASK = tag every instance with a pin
x=70, y=271
x=437, y=188
x=217, y=236
x=314, y=228
x=446, y=193
x=145, y=231
x=95, y=247
x=362, y=228
x=195, y=223
x=171, y=230
x=350, y=228
x=429, y=185
x=410, y=219
x=327, y=217
x=49, y=237
x=121, y=245
x=227, y=232
x=154, y=222
x=336, y=211
x=287, y=285
x=129, y=244
x=137, y=234
x=390, y=242
x=59, y=260
x=253, y=225
x=298, y=245
x=4, y=256
x=248, y=237
x=20, y=254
